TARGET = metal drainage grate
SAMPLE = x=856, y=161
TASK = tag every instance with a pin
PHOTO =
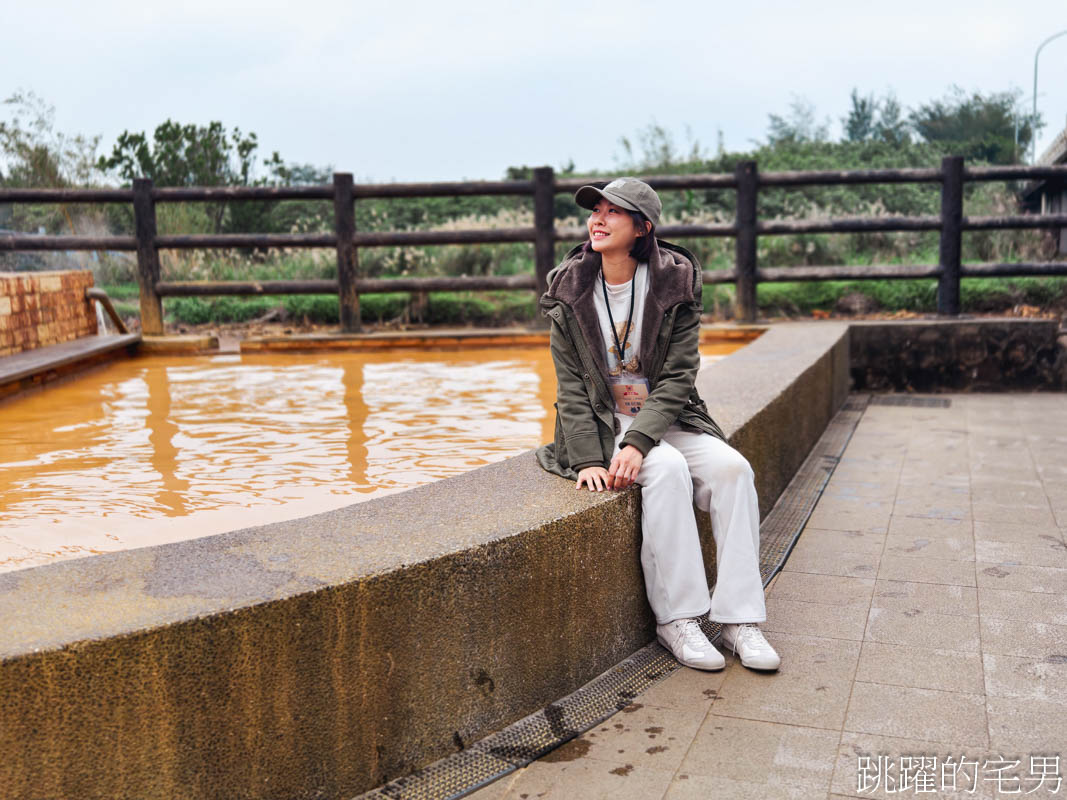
x=781, y=527
x=532, y=737
x=909, y=400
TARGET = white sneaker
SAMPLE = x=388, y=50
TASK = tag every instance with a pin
x=747, y=641
x=689, y=645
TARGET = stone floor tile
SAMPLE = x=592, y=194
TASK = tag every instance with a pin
x=496, y=790
x=908, y=505
x=930, y=527
x=981, y=486
x=833, y=562
x=1056, y=491
x=859, y=473
x=934, y=598
x=703, y=787
x=1048, y=551
x=921, y=667
x=879, y=752
x=831, y=516
x=926, y=570
x=1027, y=606
x=984, y=530
x=641, y=735
x=993, y=470
x=800, y=617
x=919, y=628
x=1027, y=679
x=920, y=475
x=926, y=714
x=686, y=688
x=810, y=688
x=1033, y=726
x=1052, y=472
x=762, y=753
x=959, y=548
x=884, y=491
x=1019, y=514
x=588, y=779
x=1011, y=493
x=815, y=588
x=849, y=541
x=1022, y=578
x=1025, y=639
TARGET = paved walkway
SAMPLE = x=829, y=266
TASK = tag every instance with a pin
x=923, y=612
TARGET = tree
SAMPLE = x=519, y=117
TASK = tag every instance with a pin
x=875, y=120
x=34, y=155
x=860, y=122
x=658, y=150
x=194, y=155
x=799, y=125
x=978, y=126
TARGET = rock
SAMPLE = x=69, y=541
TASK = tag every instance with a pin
x=856, y=303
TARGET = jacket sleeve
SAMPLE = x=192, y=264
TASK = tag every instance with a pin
x=572, y=404
x=677, y=377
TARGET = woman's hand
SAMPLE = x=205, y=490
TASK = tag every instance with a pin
x=624, y=467
x=596, y=478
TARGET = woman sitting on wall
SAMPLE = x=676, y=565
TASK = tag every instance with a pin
x=625, y=322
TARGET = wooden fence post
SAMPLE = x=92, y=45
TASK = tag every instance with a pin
x=344, y=213
x=544, y=226
x=144, y=220
x=948, y=285
x=747, y=187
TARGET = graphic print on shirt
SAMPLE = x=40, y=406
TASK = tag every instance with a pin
x=624, y=374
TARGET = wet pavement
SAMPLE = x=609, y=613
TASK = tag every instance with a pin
x=922, y=624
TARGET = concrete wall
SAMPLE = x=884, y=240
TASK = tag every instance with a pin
x=985, y=355
x=43, y=308
x=324, y=656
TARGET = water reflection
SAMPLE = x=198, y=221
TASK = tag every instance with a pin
x=153, y=450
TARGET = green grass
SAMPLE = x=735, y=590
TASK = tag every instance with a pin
x=442, y=308
x=977, y=295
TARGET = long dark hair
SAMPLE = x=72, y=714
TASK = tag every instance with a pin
x=642, y=249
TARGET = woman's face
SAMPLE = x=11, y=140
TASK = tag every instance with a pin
x=611, y=228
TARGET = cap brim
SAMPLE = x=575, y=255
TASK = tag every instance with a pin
x=589, y=196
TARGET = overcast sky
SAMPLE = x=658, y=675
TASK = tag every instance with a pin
x=449, y=90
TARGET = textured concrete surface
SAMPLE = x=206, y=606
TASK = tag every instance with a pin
x=327, y=655
x=958, y=355
x=895, y=664
x=774, y=397
x=449, y=337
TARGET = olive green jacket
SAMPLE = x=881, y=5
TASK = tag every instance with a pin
x=669, y=356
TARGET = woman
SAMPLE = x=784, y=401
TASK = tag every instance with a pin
x=625, y=323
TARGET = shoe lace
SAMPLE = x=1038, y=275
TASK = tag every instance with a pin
x=752, y=636
x=694, y=636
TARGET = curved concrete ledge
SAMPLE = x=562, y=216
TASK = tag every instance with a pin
x=324, y=656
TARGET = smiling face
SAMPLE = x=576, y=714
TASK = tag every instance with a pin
x=611, y=229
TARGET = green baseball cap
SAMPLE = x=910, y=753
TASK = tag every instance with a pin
x=629, y=193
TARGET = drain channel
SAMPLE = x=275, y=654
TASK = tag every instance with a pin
x=531, y=737
x=909, y=400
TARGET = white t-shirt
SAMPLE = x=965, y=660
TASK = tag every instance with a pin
x=626, y=374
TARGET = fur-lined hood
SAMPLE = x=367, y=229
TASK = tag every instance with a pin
x=674, y=277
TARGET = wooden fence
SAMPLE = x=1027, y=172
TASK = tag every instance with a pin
x=746, y=228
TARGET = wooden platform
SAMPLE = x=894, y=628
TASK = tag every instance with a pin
x=32, y=364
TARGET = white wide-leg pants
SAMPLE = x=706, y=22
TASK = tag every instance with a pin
x=685, y=466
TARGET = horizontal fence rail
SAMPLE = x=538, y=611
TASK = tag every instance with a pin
x=746, y=181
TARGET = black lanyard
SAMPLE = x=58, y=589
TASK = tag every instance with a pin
x=611, y=320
